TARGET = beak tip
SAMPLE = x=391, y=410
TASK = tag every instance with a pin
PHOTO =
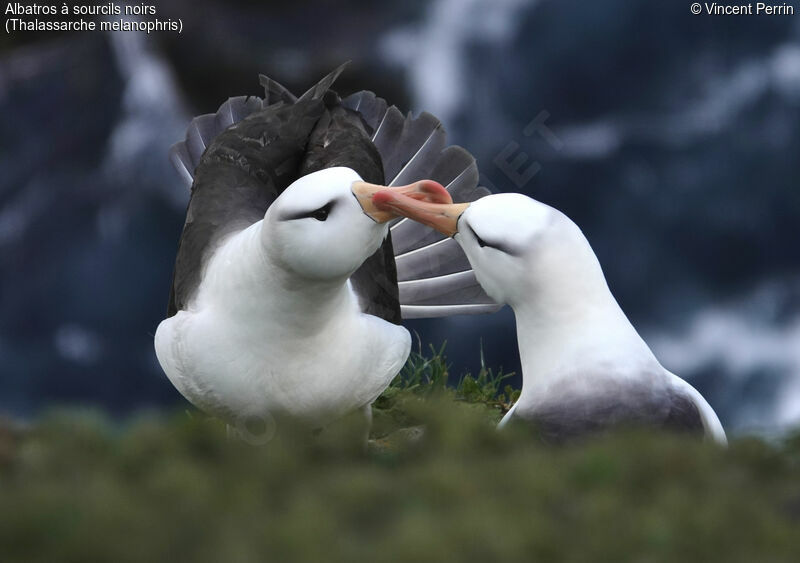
x=381, y=199
x=436, y=191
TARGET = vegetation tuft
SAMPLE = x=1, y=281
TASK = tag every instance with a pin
x=427, y=376
x=439, y=482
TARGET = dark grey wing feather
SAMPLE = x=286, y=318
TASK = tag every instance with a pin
x=185, y=155
x=441, y=258
x=234, y=110
x=455, y=170
x=449, y=289
x=318, y=90
x=241, y=173
x=387, y=133
x=275, y=92
x=199, y=135
x=413, y=149
x=205, y=128
x=424, y=159
x=370, y=107
x=244, y=106
x=408, y=236
x=182, y=162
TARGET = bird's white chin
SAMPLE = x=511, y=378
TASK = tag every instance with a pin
x=492, y=289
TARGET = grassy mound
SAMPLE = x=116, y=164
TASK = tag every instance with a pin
x=79, y=488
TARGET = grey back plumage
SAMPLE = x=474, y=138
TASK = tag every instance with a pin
x=577, y=411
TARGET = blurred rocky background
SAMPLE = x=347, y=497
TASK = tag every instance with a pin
x=672, y=139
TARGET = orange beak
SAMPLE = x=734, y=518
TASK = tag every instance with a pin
x=442, y=216
x=424, y=191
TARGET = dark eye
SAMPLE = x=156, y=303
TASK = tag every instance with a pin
x=483, y=244
x=322, y=213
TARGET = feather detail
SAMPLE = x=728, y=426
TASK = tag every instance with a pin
x=182, y=162
x=449, y=289
x=432, y=311
x=432, y=261
x=201, y=132
x=274, y=92
x=319, y=89
x=370, y=107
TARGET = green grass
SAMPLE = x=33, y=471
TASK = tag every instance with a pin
x=427, y=376
x=77, y=487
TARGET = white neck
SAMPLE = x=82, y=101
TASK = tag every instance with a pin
x=246, y=283
x=577, y=323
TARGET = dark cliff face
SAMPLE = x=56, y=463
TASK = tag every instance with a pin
x=668, y=137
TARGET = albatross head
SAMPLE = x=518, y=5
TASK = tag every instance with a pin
x=324, y=225
x=521, y=250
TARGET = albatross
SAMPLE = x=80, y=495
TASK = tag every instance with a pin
x=585, y=368
x=289, y=285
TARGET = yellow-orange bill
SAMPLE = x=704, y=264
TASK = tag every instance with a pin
x=442, y=216
x=423, y=191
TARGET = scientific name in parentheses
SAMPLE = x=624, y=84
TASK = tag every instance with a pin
x=110, y=9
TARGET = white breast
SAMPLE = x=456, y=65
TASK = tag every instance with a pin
x=264, y=348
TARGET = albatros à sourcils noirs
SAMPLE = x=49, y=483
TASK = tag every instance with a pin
x=285, y=300
x=585, y=368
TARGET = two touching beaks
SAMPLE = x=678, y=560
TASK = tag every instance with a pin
x=425, y=201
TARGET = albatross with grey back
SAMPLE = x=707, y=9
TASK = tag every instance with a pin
x=585, y=368
x=285, y=294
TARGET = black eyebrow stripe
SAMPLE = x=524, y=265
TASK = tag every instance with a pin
x=306, y=214
x=496, y=245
